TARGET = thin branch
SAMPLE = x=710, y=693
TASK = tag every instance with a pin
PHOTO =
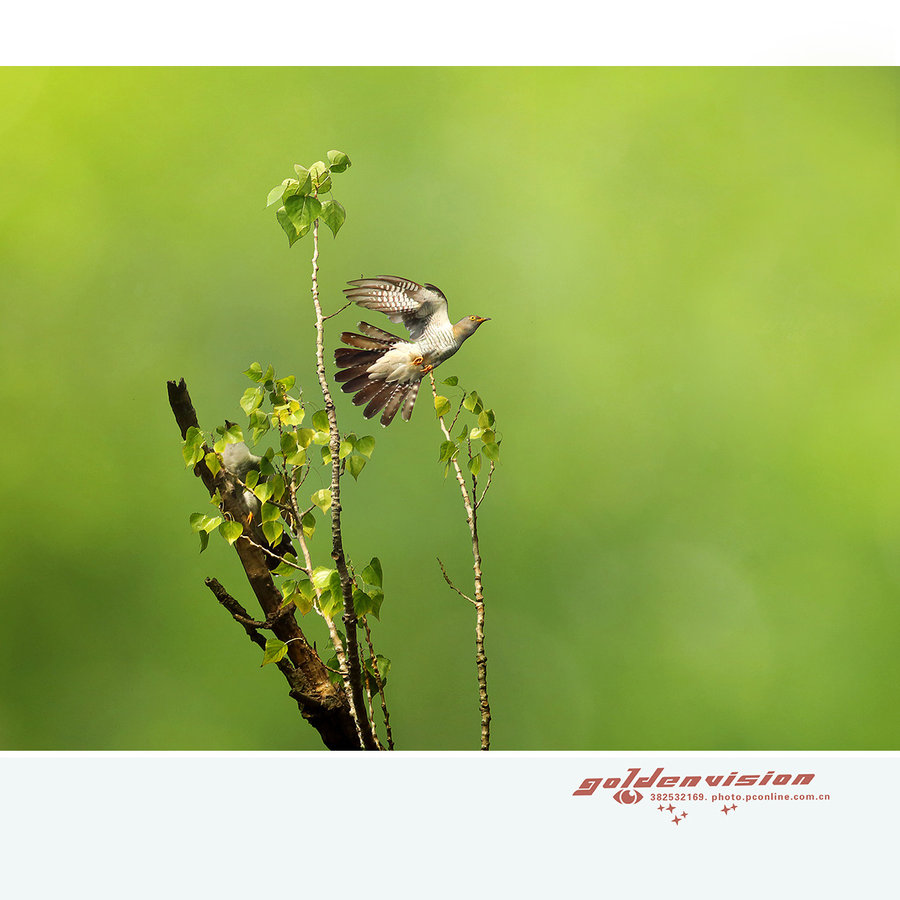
x=380, y=684
x=458, y=411
x=332, y=315
x=357, y=700
x=332, y=631
x=480, y=500
x=455, y=588
x=472, y=520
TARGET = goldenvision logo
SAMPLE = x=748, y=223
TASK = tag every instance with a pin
x=628, y=792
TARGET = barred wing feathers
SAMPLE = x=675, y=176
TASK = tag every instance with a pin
x=401, y=300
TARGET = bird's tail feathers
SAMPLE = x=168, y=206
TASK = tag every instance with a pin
x=371, y=389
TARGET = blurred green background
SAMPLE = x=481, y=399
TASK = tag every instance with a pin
x=692, y=541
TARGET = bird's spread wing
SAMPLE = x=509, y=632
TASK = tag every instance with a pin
x=401, y=300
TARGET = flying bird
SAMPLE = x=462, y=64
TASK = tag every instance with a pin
x=385, y=371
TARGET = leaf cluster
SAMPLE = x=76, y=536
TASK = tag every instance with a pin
x=477, y=435
x=301, y=197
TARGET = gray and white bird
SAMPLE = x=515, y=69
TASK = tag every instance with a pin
x=385, y=371
x=239, y=461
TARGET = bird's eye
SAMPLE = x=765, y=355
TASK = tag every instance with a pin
x=473, y=318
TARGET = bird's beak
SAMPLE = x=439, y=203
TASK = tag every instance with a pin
x=484, y=319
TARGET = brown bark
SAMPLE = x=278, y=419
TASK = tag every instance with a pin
x=323, y=704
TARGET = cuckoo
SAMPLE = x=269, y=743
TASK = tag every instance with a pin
x=385, y=371
x=239, y=461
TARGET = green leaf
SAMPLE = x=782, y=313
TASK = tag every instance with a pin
x=204, y=540
x=254, y=373
x=304, y=182
x=376, y=598
x=322, y=499
x=384, y=666
x=332, y=599
x=275, y=194
x=305, y=436
x=302, y=211
x=491, y=451
x=441, y=405
x=475, y=464
x=288, y=442
x=321, y=176
x=296, y=459
x=345, y=450
x=303, y=596
x=448, y=451
x=277, y=483
x=474, y=434
x=192, y=449
x=333, y=215
x=259, y=424
x=473, y=402
x=288, y=227
x=320, y=420
x=269, y=375
x=231, y=531
x=338, y=160
x=489, y=436
x=234, y=435
x=251, y=399
x=286, y=383
x=309, y=524
x=251, y=479
x=452, y=381
x=212, y=463
x=273, y=531
x=365, y=602
x=201, y=522
x=366, y=445
x=321, y=576
x=274, y=651
x=269, y=512
x=372, y=573
x=326, y=453
x=355, y=465
x=263, y=491
x=361, y=602
x=486, y=418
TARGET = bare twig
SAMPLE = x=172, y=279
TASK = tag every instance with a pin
x=379, y=683
x=338, y=312
x=455, y=588
x=357, y=700
x=480, y=500
x=472, y=521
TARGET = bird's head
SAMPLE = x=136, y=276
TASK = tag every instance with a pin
x=468, y=326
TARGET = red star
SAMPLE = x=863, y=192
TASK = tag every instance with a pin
x=660, y=807
x=734, y=806
x=683, y=814
x=725, y=810
x=676, y=820
x=670, y=808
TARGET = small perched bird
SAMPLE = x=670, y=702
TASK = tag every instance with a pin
x=239, y=461
x=384, y=371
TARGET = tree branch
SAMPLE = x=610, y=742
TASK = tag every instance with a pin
x=471, y=507
x=357, y=697
x=322, y=704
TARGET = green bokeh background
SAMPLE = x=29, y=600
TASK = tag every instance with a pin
x=692, y=541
